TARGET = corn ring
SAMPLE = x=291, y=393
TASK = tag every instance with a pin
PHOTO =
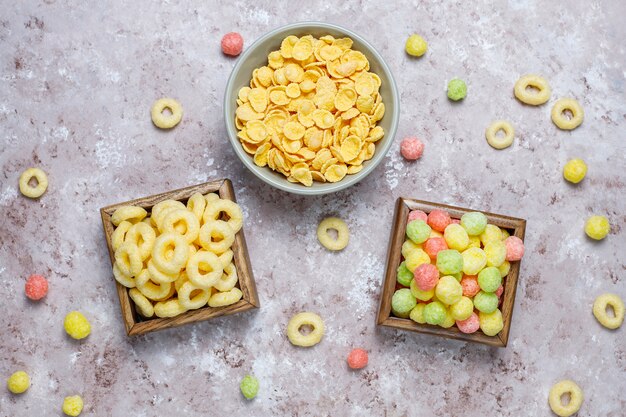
x=228, y=280
x=599, y=310
x=494, y=140
x=226, y=258
x=143, y=236
x=196, y=205
x=232, y=210
x=160, y=207
x=143, y=306
x=204, y=261
x=128, y=259
x=119, y=234
x=575, y=401
x=528, y=97
x=152, y=290
x=305, y=319
x=185, y=218
x=166, y=121
x=560, y=120
x=169, y=308
x=221, y=299
x=159, y=276
x=39, y=176
x=191, y=301
x=182, y=278
x=217, y=229
x=174, y=263
x=125, y=280
x=132, y=214
x=343, y=234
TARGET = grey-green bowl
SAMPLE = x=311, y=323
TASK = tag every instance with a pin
x=256, y=56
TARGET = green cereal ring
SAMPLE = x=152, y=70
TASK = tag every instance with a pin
x=402, y=302
x=486, y=302
x=489, y=279
x=249, y=386
x=474, y=259
x=462, y=309
x=417, y=314
x=404, y=276
x=474, y=223
x=457, y=90
x=435, y=313
x=496, y=252
x=418, y=231
x=419, y=294
x=491, y=323
x=449, y=261
x=448, y=290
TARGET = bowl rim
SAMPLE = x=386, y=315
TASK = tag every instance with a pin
x=283, y=184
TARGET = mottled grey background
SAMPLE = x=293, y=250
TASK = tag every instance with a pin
x=77, y=80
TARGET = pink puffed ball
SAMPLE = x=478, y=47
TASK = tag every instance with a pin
x=357, y=359
x=232, y=44
x=426, y=276
x=417, y=215
x=36, y=287
x=514, y=248
x=411, y=148
x=470, y=286
x=455, y=221
x=499, y=291
x=433, y=245
x=439, y=220
x=469, y=325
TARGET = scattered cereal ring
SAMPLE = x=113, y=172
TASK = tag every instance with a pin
x=417, y=314
x=226, y=298
x=435, y=313
x=249, y=386
x=73, y=405
x=449, y=262
x=486, y=302
x=169, y=308
x=597, y=227
x=18, y=382
x=404, y=275
x=166, y=121
x=402, y=302
x=434, y=245
x=489, y=279
x=411, y=148
x=426, y=277
x=567, y=105
x=469, y=325
x=456, y=237
x=474, y=260
x=470, y=286
x=462, y=309
x=496, y=141
x=132, y=214
x=575, y=170
x=36, y=287
x=474, y=223
x=560, y=389
x=142, y=304
x=232, y=44
x=600, y=306
x=491, y=323
x=170, y=263
x=305, y=319
x=204, y=261
x=439, y=220
x=532, y=97
x=326, y=240
x=416, y=45
x=417, y=214
x=76, y=325
x=448, y=290
x=357, y=358
x=514, y=248
x=418, y=231
x=192, y=297
x=42, y=183
x=457, y=89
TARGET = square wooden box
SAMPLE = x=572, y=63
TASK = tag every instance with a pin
x=135, y=324
x=515, y=226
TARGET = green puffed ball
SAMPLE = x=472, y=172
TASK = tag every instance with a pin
x=404, y=276
x=489, y=279
x=249, y=386
x=487, y=302
x=403, y=302
x=434, y=313
x=458, y=276
x=418, y=231
x=457, y=90
x=474, y=223
x=449, y=261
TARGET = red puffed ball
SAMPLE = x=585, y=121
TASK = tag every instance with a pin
x=499, y=291
x=417, y=215
x=411, y=148
x=439, y=220
x=470, y=286
x=514, y=248
x=232, y=44
x=426, y=277
x=434, y=245
x=36, y=287
x=357, y=359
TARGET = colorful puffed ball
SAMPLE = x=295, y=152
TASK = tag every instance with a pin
x=492, y=232
x=489, y=279
x=433, y=245
x=504, y=269
x=73, y=405
x=474, y=223
x=403, y=302
x=36, y=287
x=416, y=258
x=357, y=359
x=404, y=276
x=419, y=294
x=418, y=231
x=474, y=260
x=597, y=227
x=514, y=248
x=232, y=44
x=426, y=277
x=439, y=220
x=456, y=237
x=491, y=323
x=449, y=290
x=417, y=314
x=76, y=325
x=457, y=90
x=486, y=302
x=448, y=320
x=470, y=285
x=249, y=386
x=434, y=313
x=575, y=170
x=417, y=214
x=496, y=252
x=416, y=45
x=411, y=148
x=469, y=325
x=19, y=382
x=462, y=309
x=449, y=261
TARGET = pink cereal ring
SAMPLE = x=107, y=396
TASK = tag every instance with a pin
x=232, y=44
x=439, y=220
x=470, y=286
x=469, y=325
x=433, y=245
x=426, y=276
x=417, y=215
x=357, y=359
x=514, y=248
x=499, y=291
x=36, y=287
x=411, y=148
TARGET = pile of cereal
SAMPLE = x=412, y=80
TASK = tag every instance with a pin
x=179, y=257
x=311, y=113
x=453, y=271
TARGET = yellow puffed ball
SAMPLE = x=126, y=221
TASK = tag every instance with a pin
x=491, y=323
x=575, y=170
x=462, y=309
x=18, y=382
x=448, y=321
x=448, y=290
x=492, y=232
x=73, y=406
x=419, y=294
x=415, y=259
x=417, y=314
x=77, y=325
x=597, y=227
x=416, y=45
